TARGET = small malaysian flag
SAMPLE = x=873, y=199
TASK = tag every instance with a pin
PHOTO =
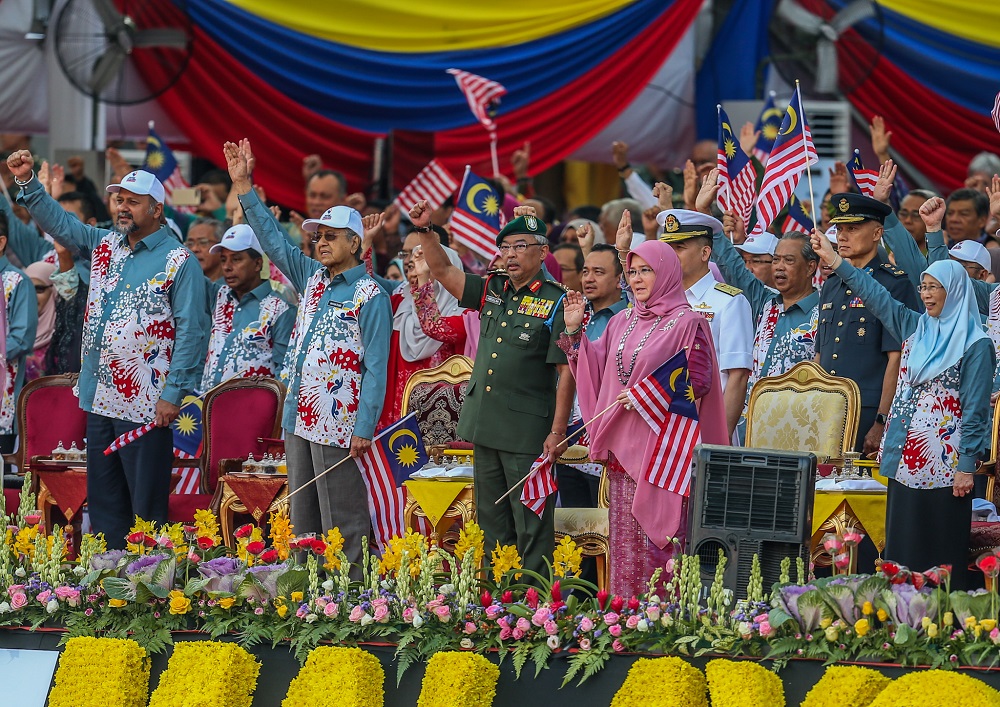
x=864, y=179
x=737, y=178
x=396, y=451
x=434, y=184
x=798, y=218
x=996, y=112
x=665, y=400
x=482, y=94
x=477, y=218
x=162, y=164
x=768, y=125
x=540, y=485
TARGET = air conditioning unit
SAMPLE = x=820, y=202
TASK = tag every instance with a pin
x=830, y=125
x=746, y=502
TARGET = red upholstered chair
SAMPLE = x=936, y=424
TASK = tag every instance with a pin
x=47, y=413
x=437, y=394
x=238, y=417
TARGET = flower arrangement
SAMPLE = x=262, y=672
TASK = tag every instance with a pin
x=662, y=682
x=846, y=686
x=207, y=674
x=471, y=537
x=459, y=680
x=946, y=687
x=349, y=677
x=94, y=672
x=743, y=684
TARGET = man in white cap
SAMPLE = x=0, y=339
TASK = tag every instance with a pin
x=335, y=368
x=690, y=234
x=143, y=342
x=974, y=257
x=251, y=323
x=758, y=256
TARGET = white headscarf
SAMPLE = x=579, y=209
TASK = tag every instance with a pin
x=414, y=344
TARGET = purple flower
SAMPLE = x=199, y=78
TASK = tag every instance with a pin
x=145, y=565
x=106, y=560
x=788, y=596
x=265, y=588
x=222, y=573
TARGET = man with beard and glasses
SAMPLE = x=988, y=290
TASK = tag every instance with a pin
x=143, y=342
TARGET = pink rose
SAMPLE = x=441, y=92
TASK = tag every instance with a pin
x=611, y=618
x=493, y=611
x=408, y=614
x=18, y=601
x=43, y=597
x=15, y=589
x=381, y=613
x=330, y=609
x=618, y=646
x=670, y=566
x=995, y=636
x=434, y=603
x=505, y=633
x=381, y=601
x=765, y=629
x=503, y=622
x=356, y=614
x=653, y=613
x=470, y=628
x=518, y=634
x=64, y=592
x=551, y=628
x=321, y=603
x=301, y=612
x=584, y=644
x=540, y=617
x=631, y=622
x=615, y=630
x=760, y=618
x=586, y=624
x=523, y=625
x=259, y=610
x=443, y=613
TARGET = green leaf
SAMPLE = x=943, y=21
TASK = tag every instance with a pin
x=520, y=658
x=904, y=635
x=294, y=580
x=118, y=588
x=540, y=656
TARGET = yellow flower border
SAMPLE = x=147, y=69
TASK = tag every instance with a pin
x=937, y=686
x=96, y=672
x=846, y=686
x=347, y=677
x=207, y=674
x=734, y=683
x=662, y=682
x=458, y=680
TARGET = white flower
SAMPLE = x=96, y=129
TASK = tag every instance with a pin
x=553, y=642
x=311, y=618
x=79, y=571
x=744, y=628
x=418, y=621
x=667, y=620
x=447, y=589
x=642, y=626
x=366, y=619
x=328, y=585
x=19, y=572
x=385, y=584
x=53, y=606
x=4, y=607
x=727, y=596
x=466, y=643
x=653, y=599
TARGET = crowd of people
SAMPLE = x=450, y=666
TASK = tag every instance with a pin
x=149, y=304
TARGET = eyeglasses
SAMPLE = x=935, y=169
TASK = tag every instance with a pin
x=644, y=272
x=405, y=255
x=929, y=288
x=328, y=237
x=517, y=247
x=200, y=242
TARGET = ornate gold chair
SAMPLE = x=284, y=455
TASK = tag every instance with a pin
x=804, y=410
x=437, y=394
x=589, y=527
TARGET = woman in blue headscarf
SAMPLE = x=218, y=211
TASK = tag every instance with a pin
x=939, y=423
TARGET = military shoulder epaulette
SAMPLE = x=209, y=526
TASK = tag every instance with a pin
x=898, y=272
x=728, y=289
x=557, y=284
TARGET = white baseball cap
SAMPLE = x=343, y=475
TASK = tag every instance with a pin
x=336, y=217
x=972, y=252
x=239, y=237
x=140, y=182
x=764, y=244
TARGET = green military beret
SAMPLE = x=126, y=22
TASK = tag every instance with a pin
x=528, y=225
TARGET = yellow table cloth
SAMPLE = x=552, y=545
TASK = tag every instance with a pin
x=435, y=496
x=868, y=508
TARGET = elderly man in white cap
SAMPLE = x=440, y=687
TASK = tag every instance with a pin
x=974, y=257
x=143, y=342
x=690, y=234
x=758, y=256
x=251, y=323
x=335, y=368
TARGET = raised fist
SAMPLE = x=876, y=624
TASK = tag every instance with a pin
x=21, y=164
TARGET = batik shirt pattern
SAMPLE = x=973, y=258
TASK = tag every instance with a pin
x=8, y=406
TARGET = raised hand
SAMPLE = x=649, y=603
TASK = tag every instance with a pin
x=573, y=308
x=993, y=192
x=421, y=271
x=748, y=138
x=932, y=213
x=356, y=201
x=623, y=239
x=392, y=216
x=248, y=155
x=119, y=166
x=236, y=162
x=585, y=238
x=296, y=218
x=880, y=138
x=664, y=194
x=708, y=192
x=734, y=226
x=209, y=199
x=43, y=177
x=524, y=211
x=310, y=165
x=823, y=247
x=886, y=176
x=619, y=154
x=372, y=224
x=840, y=180
x=650, y=226
x=690, y=185
x=57, y=180
x=420, y=214
x=520, y=161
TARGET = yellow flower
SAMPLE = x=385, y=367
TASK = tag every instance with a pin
x=471, y=537
x=281, y=533
x=283, y=610
x=832, y=634
x=458, y=678
x=941, y=686
x=335, y=675
x=988, y=624
x=413, y=543
x=193, y=676
x=867, y=609
x=94, y=672
x=567, y=558
x=24, y=542
x=846, y=686
x=743, y=683
x=227, y=602
x=970, y=622
x=334, y=544
x=207, y=525
x=882, y=615
x=117, y=603
x=925, y=622
x=256, y=535
x=862, y=627
x=175, y=532
x=179, y=604
x=949, y=619
x=825, y=623
x=504, y=559
x=147, y=527
x=932, y=630
x=297, y=596
x=662, y=682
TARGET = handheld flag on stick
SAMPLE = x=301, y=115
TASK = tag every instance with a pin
x=864, y=179
x=665, y=400
x=434, y=184
x=160, y=161
x=737, y=179
x=996, y=112
x=768, y=124
x=475, y=221
x=129, y=437
x=396, y=452
x=540, y=485
x=483, y=97
x=799, y=218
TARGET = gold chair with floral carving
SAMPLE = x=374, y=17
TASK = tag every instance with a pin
x=589, y=527
x=437, y=395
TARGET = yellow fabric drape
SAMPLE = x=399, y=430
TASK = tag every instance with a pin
x=978, y=20
x=435, y=497
x=431, y=25
x=868, y=508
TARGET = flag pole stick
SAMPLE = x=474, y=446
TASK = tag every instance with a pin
x=571, y=436
x=493, y=154
x=732, y=236
x=805, y=146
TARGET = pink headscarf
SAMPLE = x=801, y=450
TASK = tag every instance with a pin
x=623, y=432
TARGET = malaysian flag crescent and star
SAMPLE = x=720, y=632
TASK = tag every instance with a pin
x=475, y=221
x=768, y=124
x=737, y=178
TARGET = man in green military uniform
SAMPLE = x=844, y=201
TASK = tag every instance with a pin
x=514, y=409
